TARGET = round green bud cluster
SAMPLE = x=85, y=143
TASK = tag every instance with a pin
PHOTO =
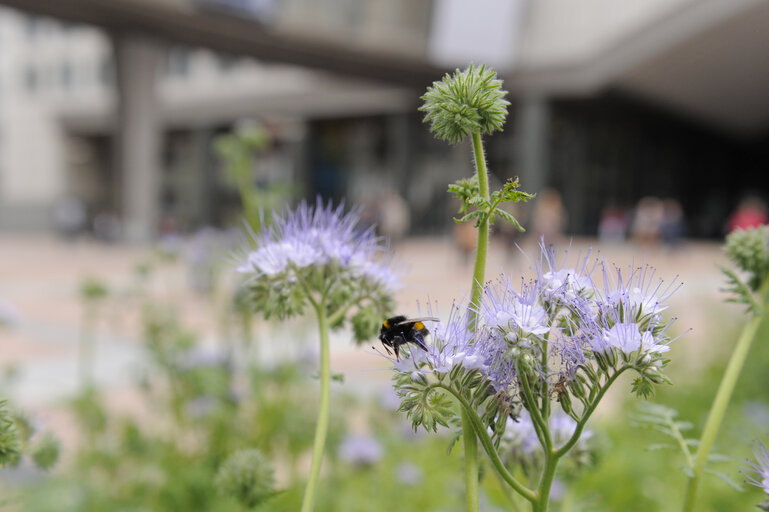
x=45, y=453
x=247, y=476
x=748, y=249
x=467, y=102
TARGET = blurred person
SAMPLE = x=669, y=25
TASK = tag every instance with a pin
x=613, y=224
x=106, y=226
x=548, y=218
x=673, y=225
x=647, y=221
x=751, y=212
x=465, y=237
x=394, y=216
x=70, y=217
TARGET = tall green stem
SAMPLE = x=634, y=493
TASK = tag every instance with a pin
x=482, y=248
x=321, y=429
x=720, y=403
x=479, y=272
x=543, y=490
x=471, y=463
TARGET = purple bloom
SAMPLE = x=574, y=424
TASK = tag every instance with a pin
x=455, y=344
x=639, y=296
x=319, y=236
x=361, y=450
x=562, y=283
x=757, y=473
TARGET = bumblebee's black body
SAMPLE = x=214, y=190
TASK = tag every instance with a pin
x=399, y=330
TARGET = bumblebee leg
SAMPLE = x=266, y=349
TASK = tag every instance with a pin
x=419, y=340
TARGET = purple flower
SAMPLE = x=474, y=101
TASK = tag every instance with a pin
x=563, y=283
x=455, y=344
x=320, y=237
x=361, y=450
x=757, y=473
x=639, y=296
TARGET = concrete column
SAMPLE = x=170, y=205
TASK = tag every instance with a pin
x=137, y=134
x=532, y=126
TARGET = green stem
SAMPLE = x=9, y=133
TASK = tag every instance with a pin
x=479, y=272
x=563, y=450
x=482, y=248
x=540, y=426
x=720, y=403
x=85, y=355
x=321, y=428
x=471, y=463
x=548, y=474
x=488, y=446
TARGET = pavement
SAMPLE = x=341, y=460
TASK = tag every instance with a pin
x=40, y=278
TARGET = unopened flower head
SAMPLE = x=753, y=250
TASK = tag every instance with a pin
x=467, y=102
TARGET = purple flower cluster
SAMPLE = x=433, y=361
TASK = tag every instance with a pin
x=318, y=237
x=553, y=326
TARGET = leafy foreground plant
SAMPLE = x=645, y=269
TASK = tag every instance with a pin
x=318, y=257
x=472, y=103
x=749, y=252
x=560, y=340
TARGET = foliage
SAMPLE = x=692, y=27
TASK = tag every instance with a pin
x=475, y=207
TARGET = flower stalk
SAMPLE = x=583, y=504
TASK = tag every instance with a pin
x=321, y=428
x=749, y=251
x=721, y=402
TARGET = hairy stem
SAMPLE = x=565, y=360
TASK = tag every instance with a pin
x=563, y=450
x=488, y=446
x=321, y=428
x=720, y=403
x=471, y=463
x=479, y=271
x=482, y=248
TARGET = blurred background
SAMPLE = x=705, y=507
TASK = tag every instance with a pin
x=130, y=129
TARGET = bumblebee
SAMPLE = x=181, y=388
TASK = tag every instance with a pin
x=399, y=330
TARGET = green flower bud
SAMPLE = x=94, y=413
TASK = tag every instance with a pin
x=46, y=451
x=247, y=476
x=467, y=102
x=748, y=249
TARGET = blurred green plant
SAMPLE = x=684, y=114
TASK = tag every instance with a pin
x=92, y=293
x=238, y=151
x=748, y=250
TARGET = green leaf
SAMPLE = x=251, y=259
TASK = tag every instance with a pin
x=723, y=476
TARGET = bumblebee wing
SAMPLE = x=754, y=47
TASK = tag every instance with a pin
x=419, y=319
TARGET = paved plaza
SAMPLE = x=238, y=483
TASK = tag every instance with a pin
x=40, y=277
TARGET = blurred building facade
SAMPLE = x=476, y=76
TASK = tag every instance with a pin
x=611, y=103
